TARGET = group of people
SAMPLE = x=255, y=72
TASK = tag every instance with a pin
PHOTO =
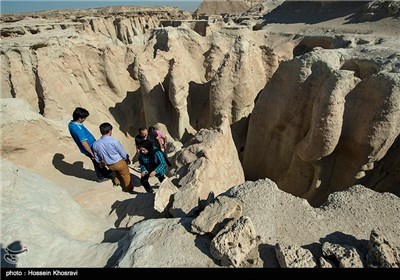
x=110, y=160
x=151, y=144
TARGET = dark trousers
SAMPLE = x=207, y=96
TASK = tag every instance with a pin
x=166, y=158
x=101, y=172
x=145, y=181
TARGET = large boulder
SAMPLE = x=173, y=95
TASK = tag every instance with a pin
x=166, y=243
x=55, y=229
x=345, y=256
x=216, y=215
x=293, y=256
x=164, y=196
x=234, y=242
x=381, y=252
x=207, y=165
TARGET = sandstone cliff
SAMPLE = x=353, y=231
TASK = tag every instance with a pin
x=301, y=129
x=214, y=7
x=331, y=118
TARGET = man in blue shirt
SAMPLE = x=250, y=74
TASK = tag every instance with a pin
x=109, y=151
x=84, y=140
x=152, y=163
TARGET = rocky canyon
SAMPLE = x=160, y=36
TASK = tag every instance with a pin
x=283, y=128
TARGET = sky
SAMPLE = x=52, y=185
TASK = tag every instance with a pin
x=21, y=6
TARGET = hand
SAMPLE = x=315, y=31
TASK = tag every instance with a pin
x=128, y=161
x=142, y=174
x=152, y=174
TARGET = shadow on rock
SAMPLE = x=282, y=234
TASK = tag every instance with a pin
x=268, y=255
x=311, y=13
x=142, y=206
x=135, y=181
x=75, y=169
x=203, y=244
x=341, y=238
x=113, y=235
x=129, y=113
x=124, y=241
x=315, y=248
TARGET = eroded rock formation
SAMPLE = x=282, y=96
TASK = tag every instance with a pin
x=324, y=121
x=347, y=219
x=234, y=242
x=317, y=112
x=214, y=7
x=206, y=166
x=292, y=256
x=166, y=243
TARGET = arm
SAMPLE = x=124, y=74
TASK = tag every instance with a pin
x=161, y=167
x=137, y=143
x=87, y=148
x=121, y=150
x=143, y=169
x=98, y=159
x=162, y=139
x=165, y=141
x=97, y=156
x=160, y=142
